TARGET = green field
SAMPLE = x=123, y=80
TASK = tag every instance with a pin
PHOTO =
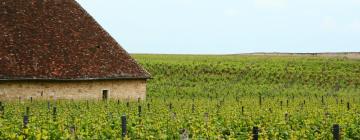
x=210, y=97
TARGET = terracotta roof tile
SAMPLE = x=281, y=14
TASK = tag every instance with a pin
x=58, y=40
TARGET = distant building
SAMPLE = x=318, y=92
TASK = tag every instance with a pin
x=55, y=49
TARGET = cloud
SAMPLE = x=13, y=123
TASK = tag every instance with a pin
x=328, y=23
x=231, y=12
x=265, y=4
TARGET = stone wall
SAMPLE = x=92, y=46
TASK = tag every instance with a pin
x=118, y=89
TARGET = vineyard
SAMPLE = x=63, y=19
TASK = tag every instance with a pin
x=208, y=97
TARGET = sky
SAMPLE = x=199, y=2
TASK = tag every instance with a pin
x=230, y=26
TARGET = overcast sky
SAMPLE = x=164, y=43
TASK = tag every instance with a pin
x=230, y=26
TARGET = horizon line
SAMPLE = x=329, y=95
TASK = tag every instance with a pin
x=342, y=52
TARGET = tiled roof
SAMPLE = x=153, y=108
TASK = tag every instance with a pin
x=59, y=40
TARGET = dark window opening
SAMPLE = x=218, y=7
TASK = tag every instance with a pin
x=105, y=94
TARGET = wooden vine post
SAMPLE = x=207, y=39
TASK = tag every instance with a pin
x=139, y=111
x=336, y=131
x=25, y=121
x=25, y=128
x=123, y=126
x=54, y=113
x=255, y=133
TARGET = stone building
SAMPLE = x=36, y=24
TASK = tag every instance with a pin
x=55, y=49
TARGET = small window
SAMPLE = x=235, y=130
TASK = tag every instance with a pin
x=105, y=94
